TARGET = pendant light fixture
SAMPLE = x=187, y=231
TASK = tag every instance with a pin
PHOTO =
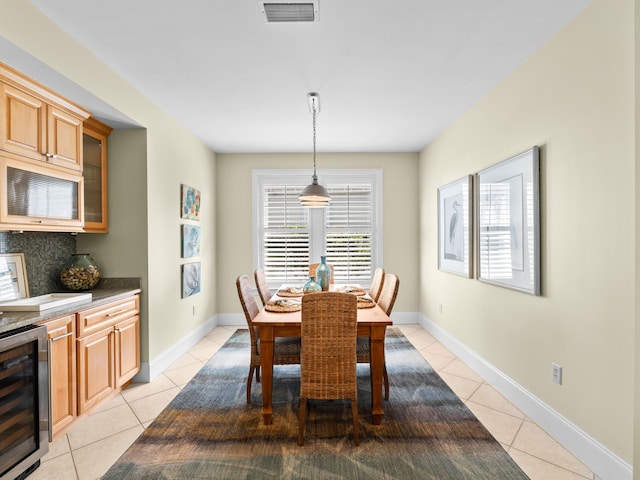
x=314, y=195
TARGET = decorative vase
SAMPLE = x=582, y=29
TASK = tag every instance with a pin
x=323, y=274
x=311, y=286
x=80, y=272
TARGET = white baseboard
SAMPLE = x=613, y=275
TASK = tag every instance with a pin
x=149, y=371
x=405, y=318
x=602, y=461
x=231, y=319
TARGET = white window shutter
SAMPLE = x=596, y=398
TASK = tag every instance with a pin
x=285, y=234
x=348, y=230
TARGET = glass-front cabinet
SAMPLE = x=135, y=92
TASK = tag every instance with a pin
x=39, y=198
x=94, y=171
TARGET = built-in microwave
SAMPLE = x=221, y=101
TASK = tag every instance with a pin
x=40, y=198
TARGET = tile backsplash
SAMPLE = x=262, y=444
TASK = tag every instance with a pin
x=44, y=253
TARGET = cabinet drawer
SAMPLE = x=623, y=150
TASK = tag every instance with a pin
x=95, y=319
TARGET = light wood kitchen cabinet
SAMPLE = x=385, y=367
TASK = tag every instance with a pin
x=95, y=135
x=93, y=354
x=41, y=160
x=61, y=338
x=108, y=350
x=38, y=123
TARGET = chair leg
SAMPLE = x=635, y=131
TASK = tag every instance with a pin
x=249, y=381
x=302, y=418
x=354, y=413
x=385, y=377
x=258, y=374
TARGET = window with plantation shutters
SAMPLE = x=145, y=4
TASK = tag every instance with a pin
x=289, y=237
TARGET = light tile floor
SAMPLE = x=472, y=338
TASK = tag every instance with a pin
x=92, y=445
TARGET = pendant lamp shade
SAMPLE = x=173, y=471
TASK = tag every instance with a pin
x=314, y=195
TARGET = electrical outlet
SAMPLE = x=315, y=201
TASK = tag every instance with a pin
x=556, y=373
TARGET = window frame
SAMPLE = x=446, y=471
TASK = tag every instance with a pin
x=264, y=177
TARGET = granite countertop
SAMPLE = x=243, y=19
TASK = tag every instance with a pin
x=106, y=291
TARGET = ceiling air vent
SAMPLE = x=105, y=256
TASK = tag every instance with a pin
x=286, y=12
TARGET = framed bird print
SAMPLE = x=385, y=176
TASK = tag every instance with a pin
x=455, y=225
x=508, y=223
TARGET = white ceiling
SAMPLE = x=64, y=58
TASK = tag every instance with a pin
x=391, y=74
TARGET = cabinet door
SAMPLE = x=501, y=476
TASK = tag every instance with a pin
x=64, y=139
x=25, y=129
x=62, y=373
x=127, y=350
x=94, y=171
x=96, y=362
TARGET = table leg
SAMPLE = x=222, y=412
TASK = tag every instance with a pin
x=266, y=360
x=376, y=346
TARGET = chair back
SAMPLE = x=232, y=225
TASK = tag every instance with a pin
x=314, y=266
x=389, y=292
x=262, y=285
x=328, y=356
x=376, y=284
x=249, y=307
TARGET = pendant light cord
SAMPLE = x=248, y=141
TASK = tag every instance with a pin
x=314, y=140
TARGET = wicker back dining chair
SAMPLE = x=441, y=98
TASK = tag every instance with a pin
x=286, y=351
x=376, y=284
x=314, y=266
x=328, y=358
x=386, y=300
x=262, y=285
x=389, y=292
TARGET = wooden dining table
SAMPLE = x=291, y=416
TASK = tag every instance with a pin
x=372, y=323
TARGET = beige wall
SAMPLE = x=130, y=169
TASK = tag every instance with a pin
x=400, y=215
x=573, y=98
x=165, y=158
x=118, y=252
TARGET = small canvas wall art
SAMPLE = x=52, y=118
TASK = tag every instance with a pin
x=190, y=279
x=190, y=204
x=190, y=241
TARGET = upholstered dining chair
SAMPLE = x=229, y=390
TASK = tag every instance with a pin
x=376, y=284
x=262, y=285
x=386, y=300
x=314, y=266
x=286, y=351
x=328, y=358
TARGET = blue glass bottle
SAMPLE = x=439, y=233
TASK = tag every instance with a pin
x=311, y=286
x=323, y=274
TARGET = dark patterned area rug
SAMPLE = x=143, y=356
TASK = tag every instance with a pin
x=209, y=432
